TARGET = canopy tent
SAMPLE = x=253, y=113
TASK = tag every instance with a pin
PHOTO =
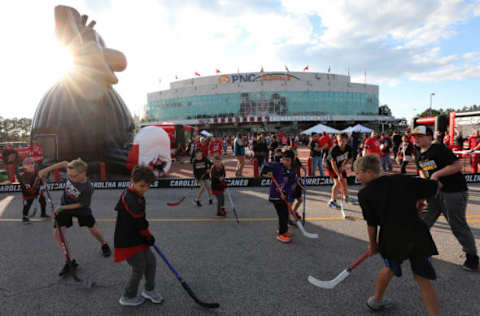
x=205, y=133
x=347, y=130
x=320, y=128
x=359, y=129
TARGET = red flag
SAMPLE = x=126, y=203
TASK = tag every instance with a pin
x=261, y=70
x=286, y=68
x=306, y=68
x=197, y=74
x=218, y=71
x=329, y=69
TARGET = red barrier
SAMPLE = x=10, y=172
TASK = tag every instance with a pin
x=103, y=172
x=255, y=168
x=11, y=172
x=309, y=167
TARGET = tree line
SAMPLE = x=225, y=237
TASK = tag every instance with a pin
x=441, y=111
x=15, y=129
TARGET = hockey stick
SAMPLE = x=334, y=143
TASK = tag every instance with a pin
x=304, y=195
x=176, y=203
x=299, y=222
x=342, y=276
x=66, y=252
x=233, y=205
x=184, y=284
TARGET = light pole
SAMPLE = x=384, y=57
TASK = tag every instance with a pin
x=430, y=110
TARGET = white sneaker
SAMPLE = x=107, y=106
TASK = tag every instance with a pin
x=153, y=296
x=133, y=301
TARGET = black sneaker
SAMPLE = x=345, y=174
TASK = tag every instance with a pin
x=471, y=264
x=198, y=203
x=210, y=201
x=25, y=220
x=106, y=250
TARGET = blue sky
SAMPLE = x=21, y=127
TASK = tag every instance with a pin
x=409, y=48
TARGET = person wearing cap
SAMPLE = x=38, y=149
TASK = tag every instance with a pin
x=285, y=174
x=437, y=162
x=30, y=185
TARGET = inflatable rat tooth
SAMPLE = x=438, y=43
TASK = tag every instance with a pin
x=82, y=115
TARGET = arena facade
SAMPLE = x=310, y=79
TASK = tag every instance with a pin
x=262, y=101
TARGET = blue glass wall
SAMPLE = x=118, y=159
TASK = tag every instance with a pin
x=256, y=103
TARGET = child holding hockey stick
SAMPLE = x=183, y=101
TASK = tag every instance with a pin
x=201, y=168
x=75, y=202
x=217, y=173
x=30, y=183
x=285, y=174
x=132, y=239
x=391, y=203
x=338, y=158
x=299, y=188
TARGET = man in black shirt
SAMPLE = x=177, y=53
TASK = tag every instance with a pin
x=397, y=141
x=391, y=203
x=260, y=150
x=437, y=162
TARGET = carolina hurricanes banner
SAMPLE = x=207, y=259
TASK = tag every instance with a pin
x=190, y=183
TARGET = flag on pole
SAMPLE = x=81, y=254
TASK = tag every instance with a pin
x=197, y=74
x=306, y=68
x=349, y=71
x=261, y=70
x=176, y=77
x=217, y=71
x=286, y=68
x=329, y=68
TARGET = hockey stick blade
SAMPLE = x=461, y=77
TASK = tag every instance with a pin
x=233, y=207
x=196, y=299
x=176, y=203
x=339, y=278
x=329, y=284
x=84, y=283
x=304, y=232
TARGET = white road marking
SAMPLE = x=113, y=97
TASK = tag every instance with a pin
x=4, y=203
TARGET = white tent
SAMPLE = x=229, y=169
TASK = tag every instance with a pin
x=320, y=128
x=360, y=129
x=205, y=133
x=347, y=130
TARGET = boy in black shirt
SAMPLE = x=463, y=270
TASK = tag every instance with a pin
x=75, y=202
x=391, y=203
x=437, y=162
x=132, y=239
x=338, y=158
x=201, y=169
x=30, y=183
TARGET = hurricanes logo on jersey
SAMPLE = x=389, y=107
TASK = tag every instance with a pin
x=71, y=191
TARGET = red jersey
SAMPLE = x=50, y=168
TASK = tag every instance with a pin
x=215, y=148
x=325, y=139
x=372, y=146
x=473, y=141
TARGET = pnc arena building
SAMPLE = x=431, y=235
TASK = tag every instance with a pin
x=266, y=101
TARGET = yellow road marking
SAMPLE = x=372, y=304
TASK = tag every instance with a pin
x=252, y=219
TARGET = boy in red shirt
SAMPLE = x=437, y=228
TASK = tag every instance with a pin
x=215, y=147
x=372, y=145
x=132, y=239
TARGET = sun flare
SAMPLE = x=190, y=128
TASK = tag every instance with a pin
x=60, y=61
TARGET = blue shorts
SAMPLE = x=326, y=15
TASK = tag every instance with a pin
x=421, y=266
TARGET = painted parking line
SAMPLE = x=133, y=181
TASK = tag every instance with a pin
x=4, y=203
x=471, y=219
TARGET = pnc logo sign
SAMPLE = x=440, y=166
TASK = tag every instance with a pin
x=224, y=79
x=254, y=77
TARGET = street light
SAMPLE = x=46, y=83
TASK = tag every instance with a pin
x=430, y=110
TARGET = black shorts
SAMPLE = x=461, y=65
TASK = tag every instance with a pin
x=421, y=266
x=64, y=219
x=297, y=193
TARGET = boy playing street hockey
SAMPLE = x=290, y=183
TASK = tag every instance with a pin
x=30, y=183
x=75, y=202
x=285, y=174
x=201, y=168
x=391, y=203
x=338, y=158
x=219, y=184
x=132, y=239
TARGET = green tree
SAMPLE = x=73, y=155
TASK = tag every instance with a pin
x=384, y=110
